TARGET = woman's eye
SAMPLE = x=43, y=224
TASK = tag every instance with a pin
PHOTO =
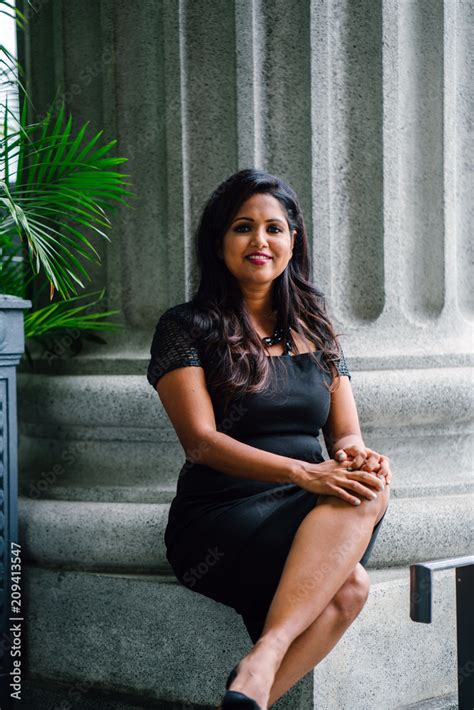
x=245, y=226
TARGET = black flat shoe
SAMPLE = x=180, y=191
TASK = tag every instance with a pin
x=233, y=700
x=238, y=701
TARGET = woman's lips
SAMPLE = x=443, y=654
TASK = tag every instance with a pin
x=258, y=260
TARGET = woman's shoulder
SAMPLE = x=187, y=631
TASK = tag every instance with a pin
x=174, y=343
x=181, y=311
x=178, y=322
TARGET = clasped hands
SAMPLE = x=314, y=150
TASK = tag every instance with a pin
x=365, y=459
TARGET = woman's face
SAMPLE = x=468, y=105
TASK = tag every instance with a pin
x=260, y=225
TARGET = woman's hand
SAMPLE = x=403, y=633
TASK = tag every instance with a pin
x=357, y=457
x=333, y=478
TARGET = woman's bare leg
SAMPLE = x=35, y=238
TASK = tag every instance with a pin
x=310, y=647
x=310, y=579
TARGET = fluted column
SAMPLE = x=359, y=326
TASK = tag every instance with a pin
x=390, y=96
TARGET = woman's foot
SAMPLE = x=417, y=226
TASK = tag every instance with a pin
x=256, y=672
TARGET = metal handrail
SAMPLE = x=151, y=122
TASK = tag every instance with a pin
x=421, y=600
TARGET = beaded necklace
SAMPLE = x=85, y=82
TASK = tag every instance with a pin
x=277, y=337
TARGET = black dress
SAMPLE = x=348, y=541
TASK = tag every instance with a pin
x=228, y=537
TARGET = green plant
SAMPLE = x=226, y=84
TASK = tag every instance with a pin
x=65, y=185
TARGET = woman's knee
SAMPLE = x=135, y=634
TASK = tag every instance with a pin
x=371, y=507
x=377, y=505
x=384, y=498
x=353, y=594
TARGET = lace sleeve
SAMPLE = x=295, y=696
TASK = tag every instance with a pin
x=342, y=367
x=172, y=347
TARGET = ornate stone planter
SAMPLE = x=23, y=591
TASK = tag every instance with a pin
x=11, y=349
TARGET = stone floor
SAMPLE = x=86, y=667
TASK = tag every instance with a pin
x=43, y=698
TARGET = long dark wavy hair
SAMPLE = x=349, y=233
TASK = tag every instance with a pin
x=237, y=356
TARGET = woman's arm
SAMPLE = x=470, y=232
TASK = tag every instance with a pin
x=343, y=436
x=186, y=400
x=342, y=428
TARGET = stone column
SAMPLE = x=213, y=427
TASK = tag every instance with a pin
x=365, y=109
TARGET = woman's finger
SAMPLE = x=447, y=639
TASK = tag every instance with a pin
x=358, y=455
x=361, y=461
x=370, y=479
x=357, y=487
x=372, y=463
x=350, y=452
x=385, y=469
x=344, y=495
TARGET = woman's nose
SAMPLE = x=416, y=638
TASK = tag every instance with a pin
x=259, y=238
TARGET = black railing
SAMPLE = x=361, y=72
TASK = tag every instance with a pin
x=421, y=599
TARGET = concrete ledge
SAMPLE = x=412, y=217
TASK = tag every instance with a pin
x=101, y=536
x=77, y=469
x=385, y=660
x=385, y=398
x=149, y=638
x=141, y=636
x=105, y=437
x=129, y=536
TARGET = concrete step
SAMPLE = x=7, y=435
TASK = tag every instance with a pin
x=149, y=640
x=385, y=660
x=130, y=535
x=82, y=436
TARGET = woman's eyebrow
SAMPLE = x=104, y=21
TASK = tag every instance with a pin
x=274, y=219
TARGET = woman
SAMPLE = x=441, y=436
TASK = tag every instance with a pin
x=248, y=372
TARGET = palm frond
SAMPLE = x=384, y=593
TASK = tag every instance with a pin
x=62, y=315
x=64, y=181
x=65, y=186
x=10, y=10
